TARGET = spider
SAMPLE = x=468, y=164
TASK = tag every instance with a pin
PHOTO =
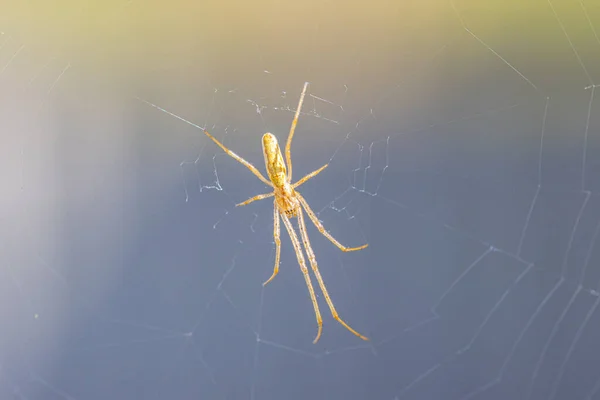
x=288, y=203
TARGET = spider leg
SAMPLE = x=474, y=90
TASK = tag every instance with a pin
x=307, y=177
x=313, y=263
x=240, y=159
x=288, y=144
x=257, y=197
x=300, y=256
x=321, y=229
x=277, y=238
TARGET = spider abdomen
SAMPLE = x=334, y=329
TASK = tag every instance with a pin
x=274, y=160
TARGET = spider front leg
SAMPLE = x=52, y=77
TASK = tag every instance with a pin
x=300, y=257
x=315, y=267
x=321, y=228
x=277, y=238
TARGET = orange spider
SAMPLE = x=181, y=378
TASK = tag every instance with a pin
x=289, y=203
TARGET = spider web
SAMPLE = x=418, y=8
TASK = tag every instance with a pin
x=462, y=140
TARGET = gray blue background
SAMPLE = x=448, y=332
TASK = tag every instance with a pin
x=463, y=142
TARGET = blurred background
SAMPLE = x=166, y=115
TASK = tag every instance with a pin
x=463, y=143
